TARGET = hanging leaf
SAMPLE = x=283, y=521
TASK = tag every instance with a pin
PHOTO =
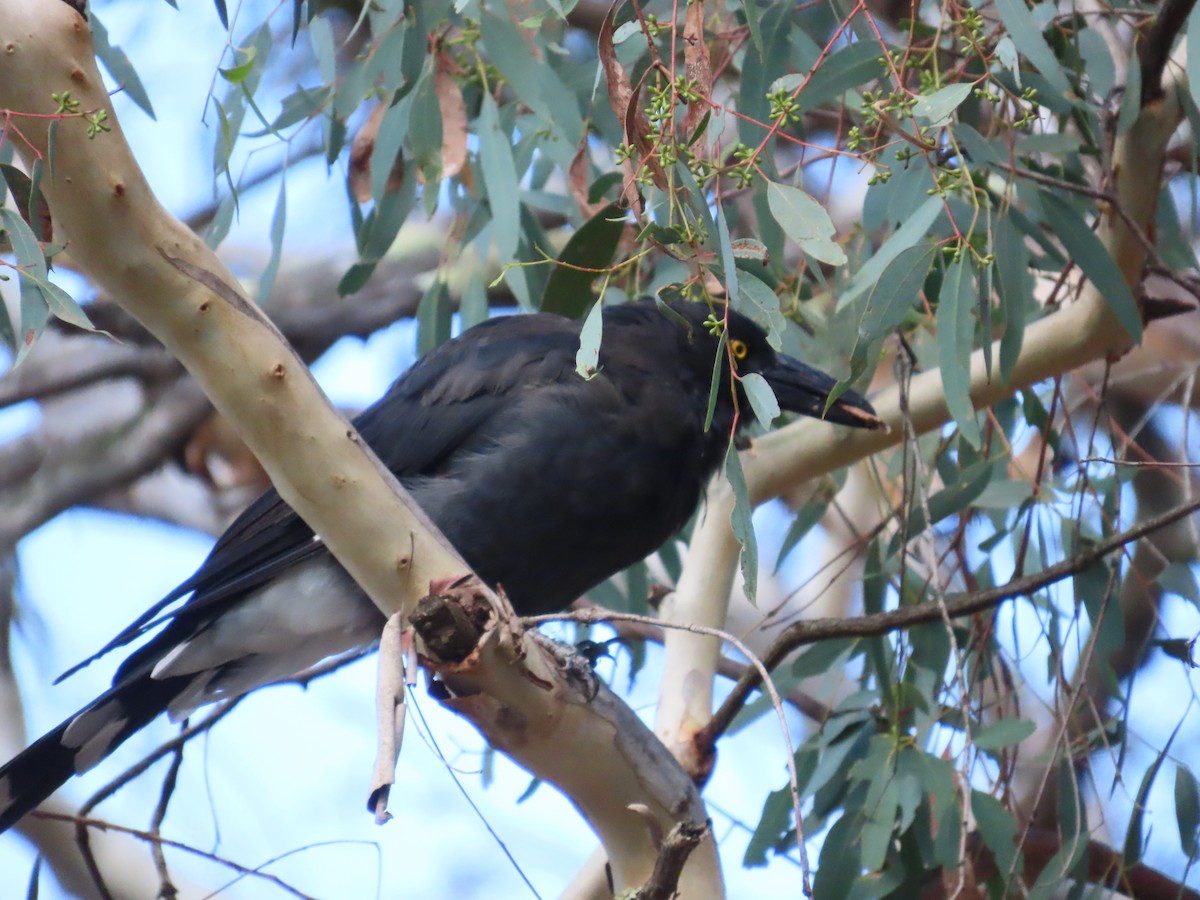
x=501, y=179
x=587, y=254
x=1187, y=811
x=915, y=228
x=956, y=333
x=1086, y=250
x=762, y=399
x=587, y=359
x=742, y=522
x=806, y=222
x=1027, y=35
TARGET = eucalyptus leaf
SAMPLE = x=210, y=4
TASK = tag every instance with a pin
x=806, y=222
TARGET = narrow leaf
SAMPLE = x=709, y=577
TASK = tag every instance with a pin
x=278, y=223
x=587, y=359
x=1134, y=842
x=895, y=293
x=915, y=228
x=956, y=330
x=1028, y=37
x=1187, y=811
x=741, y=521
x=119, y=66
x=1090, y=254
x=501, y=180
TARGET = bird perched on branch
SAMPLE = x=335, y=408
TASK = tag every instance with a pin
x=546, y=482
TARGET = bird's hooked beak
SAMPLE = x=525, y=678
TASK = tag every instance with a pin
x=805, y=390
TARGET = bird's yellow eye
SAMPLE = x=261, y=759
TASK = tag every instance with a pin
x=740, y=350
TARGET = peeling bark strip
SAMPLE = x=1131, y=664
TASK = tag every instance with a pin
x=623, y=97
x=699, y=68
x=213, y=282
x=454, y=116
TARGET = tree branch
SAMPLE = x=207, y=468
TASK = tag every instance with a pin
x=810, y=631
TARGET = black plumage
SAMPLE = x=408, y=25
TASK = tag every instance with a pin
x=546, y=482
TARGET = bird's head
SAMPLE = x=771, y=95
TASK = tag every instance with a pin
x=798, y=387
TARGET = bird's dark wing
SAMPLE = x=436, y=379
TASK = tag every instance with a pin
x=435, y=409
x=426, y=416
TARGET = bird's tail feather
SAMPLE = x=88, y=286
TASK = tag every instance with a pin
x=81, y=741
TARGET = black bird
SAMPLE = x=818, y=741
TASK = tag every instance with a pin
x=546, y=482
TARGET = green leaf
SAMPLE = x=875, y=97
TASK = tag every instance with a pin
x=1006, y=53
x=762, y=399
x=389, y=141
x=278, y=223
x=1027, y=35
x=1134, y=841
x=806, y=222
x=7, y=333
x=998, y=830
x=298, y=106
x=24, y=243
x=763, y=63
x=320, y=34
x=895, y=293
x=728, y=264
x=821, y=658
x=587, y=254
x=1178, y=578
x=839, y=864
x=942, y=103
x=1193, y=54
x=587, y=358
x=1012, y=278
x=118, y=65
x=847, y=68
x=915, y=228
x=237, y=73
x=425, y=128
x=811, y=513
x=775, y=821
x=741, y=521
x=761, y=304
x=63, y=305
x=956, y=330
x=473, y=307
x=1187, y=811
x=434, y=317
x=715, y=383
x=501, y=180
x=1091, y=256
x=1003, y=733
x=881, y=821
x=954, y=497
x=533, y=79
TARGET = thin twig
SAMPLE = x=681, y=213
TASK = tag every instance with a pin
x=814, y=630
x=101, y=825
